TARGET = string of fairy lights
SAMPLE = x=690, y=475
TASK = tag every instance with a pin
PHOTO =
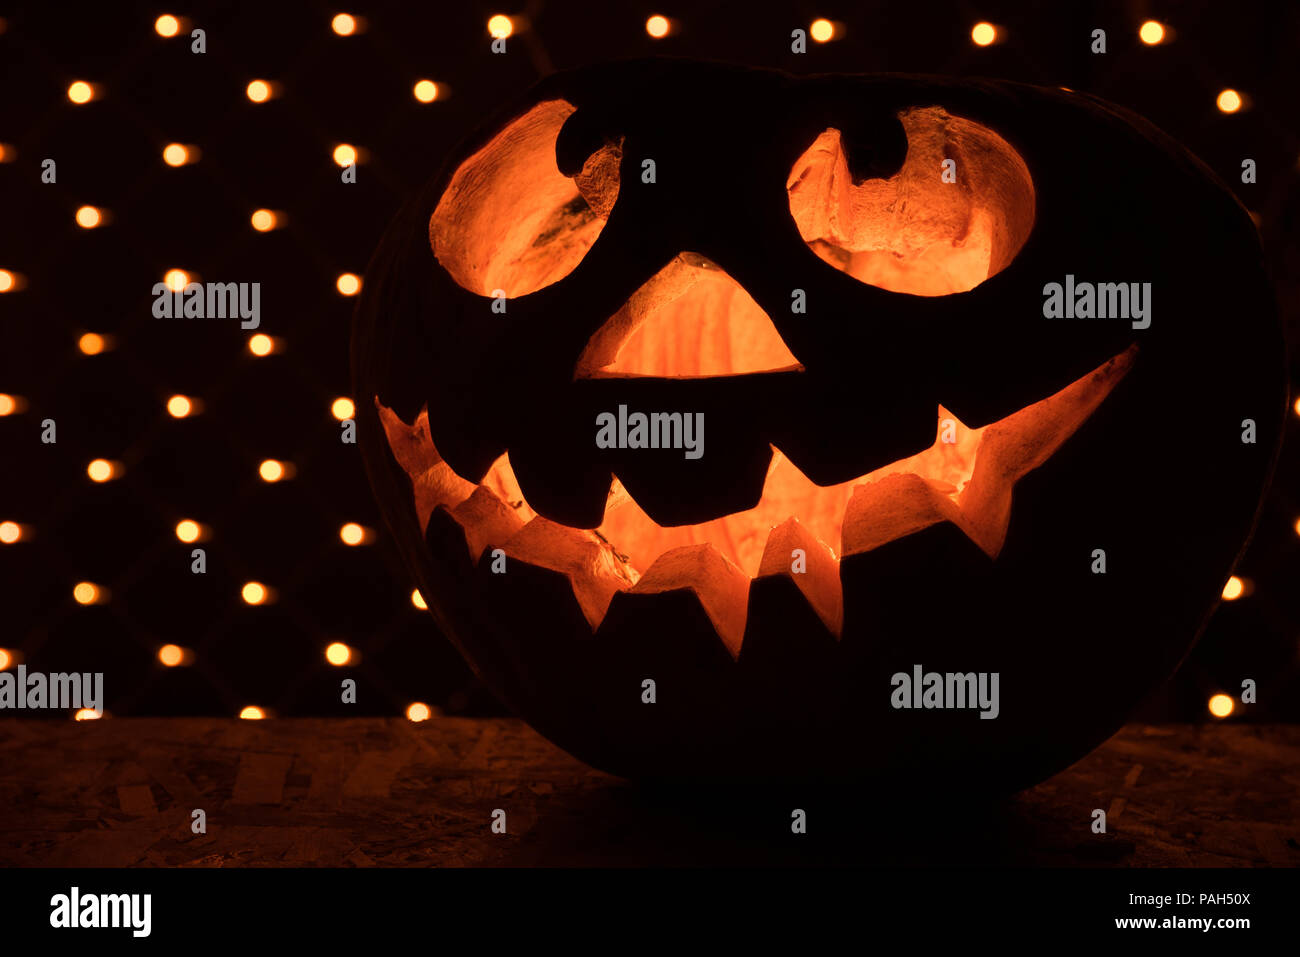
x=351, y=534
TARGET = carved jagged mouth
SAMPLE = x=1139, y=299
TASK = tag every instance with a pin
x=797, y=528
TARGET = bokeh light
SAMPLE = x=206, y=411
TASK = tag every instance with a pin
x=171, y=655
x=81, y=92
x=176, y=154
x=345, y=154
x=822, y=31
x=426, y=91
x=500, y=26
x=179, y=406
x=983, y=34
x=252, y=713
x=254, y=593
x=1151, y=32
x=88, y=217
x=259, y=91
x=1234, y=589
x=92, y=343
x=1221, y=705
x=338, y=654
x=418, y=711
x=87, y=593
x=657, y=26
x=348, y=284
x=1228, y=101
x=418, y=600
x=188, y=530
x=344, y=24
x=102, y=470
x=166, y=25
x=343, y=408
x=10, y=532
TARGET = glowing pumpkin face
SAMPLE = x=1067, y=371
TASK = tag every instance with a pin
x=731, y=423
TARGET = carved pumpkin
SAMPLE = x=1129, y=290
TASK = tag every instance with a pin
x=906, y=466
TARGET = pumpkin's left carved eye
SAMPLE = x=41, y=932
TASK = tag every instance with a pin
x=956, y=213
x=510, y=220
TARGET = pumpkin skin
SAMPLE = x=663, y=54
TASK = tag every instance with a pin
x=751, y=678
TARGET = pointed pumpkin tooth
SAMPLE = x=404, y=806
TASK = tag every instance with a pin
x=593, y=571
x=894, y=506
x=816, y=571
x=432, y=480
x=721, y=587
x=486, y=520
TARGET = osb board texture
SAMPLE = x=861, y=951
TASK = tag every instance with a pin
x=386, y=792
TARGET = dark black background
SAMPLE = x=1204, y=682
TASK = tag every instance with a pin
x=278, y=155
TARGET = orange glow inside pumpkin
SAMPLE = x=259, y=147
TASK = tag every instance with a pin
x=916, y=232
x=509, y=220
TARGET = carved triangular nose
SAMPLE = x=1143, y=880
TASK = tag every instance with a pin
x=688, y=320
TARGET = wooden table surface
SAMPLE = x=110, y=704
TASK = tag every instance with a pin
x=386, y=792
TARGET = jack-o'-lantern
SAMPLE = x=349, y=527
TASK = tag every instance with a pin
x=739, y=424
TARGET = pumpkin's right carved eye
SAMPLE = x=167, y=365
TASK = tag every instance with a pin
x=919, y=231
x=510, y=220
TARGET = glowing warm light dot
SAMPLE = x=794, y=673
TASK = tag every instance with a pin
x=6, y=153
x=426, y=91
x=179, y=406
x=87, y=714
x=80, y=92
x=352, y=534
x=348, y=284
x=345, y=155
x=176, y=279
x=8, y=404
x=6, y=659
x=92, y=344
x=166, y=25
x=1297, y=406
x=187, y=531
x=271, y=471
x=1234, y=588
x=418, y=600
x=1229, y=101
x=419, y=711
x=263, y=220
x=657, y=26
x=88, y=217
x=259, y=91
x=252, y=713
x=1151, y=33
x=175, y=154
x=983, y=34
x=1220, y=705
x=343, y=409
x=344, y=24
x=338, y=653
x=100, y=470
x=6, y=280
x=1297, y=526
x=171, y=655
x=85, y=593
x=500, y=26
x=260, y=345
x=254, y=593
x=10, y=532
x=822, y=31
